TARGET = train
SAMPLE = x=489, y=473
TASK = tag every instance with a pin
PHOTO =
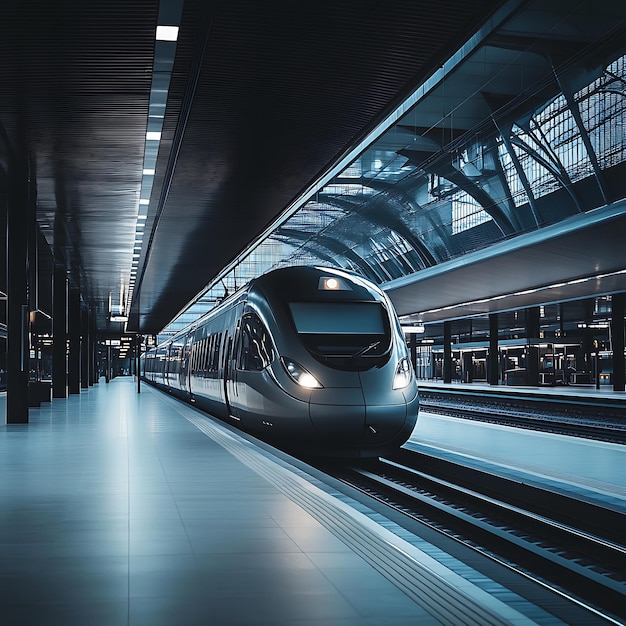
x=312, y=359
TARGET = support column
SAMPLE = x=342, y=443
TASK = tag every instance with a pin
x=19, y=199
x=532, y=334
x=59, y=332
x=138, y=340
x=468, y=366
x=107, y=375
x=73, y=363
x=84, y=348
x=413, y=348
x=493, y=366
x=138, y=362
x=447, y=352
x=93, y=349
x=617, y=333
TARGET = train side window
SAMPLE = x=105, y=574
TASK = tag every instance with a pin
x=242, y=348
x=205, y=353
x=219, y=349
x=210, y=359
x=256, y=351
x=215, y=352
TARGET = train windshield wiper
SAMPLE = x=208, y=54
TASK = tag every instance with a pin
x=362, y=351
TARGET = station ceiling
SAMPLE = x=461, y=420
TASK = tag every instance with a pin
x=171, y=157
x=262, y=96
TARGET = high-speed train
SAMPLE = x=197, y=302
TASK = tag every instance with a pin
x=311, y=358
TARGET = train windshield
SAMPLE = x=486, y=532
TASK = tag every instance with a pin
x=338, y=317
x=344, y=335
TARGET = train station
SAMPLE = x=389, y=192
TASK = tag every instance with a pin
x=314, y=313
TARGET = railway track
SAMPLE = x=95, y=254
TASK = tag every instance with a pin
x=558, y=415
x=575, y=547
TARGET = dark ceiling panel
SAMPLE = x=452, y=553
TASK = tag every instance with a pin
x=74, y=89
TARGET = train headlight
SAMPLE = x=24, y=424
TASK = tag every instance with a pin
x=300, y=375
x=403, y=374
x=333, y=283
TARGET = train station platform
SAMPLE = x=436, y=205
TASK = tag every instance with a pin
x=585, y=468
x=136, y=509
x=603, y=392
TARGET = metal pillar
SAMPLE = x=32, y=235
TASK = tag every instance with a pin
x=468, y=366
x=107, y=375
x=19, y=199
x=138, y=362
x=447, y=352
x=84, y=348
x=617, y=334
x=138, y=340
x=93, y=349
x=413, y=348
x=73, y=362
x=493, y=366
x=532, y=358
x=59, y=332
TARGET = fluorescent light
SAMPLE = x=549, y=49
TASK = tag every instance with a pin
x=144, y=201
x=147, y=172
x=413, y=330
x=153, y=135
x=167, y=33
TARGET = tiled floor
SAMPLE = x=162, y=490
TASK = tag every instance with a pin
x=114, y=510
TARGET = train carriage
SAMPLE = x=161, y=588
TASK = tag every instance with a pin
x=310, y=358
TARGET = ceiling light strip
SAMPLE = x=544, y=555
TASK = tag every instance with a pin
x=192, y=83
x=166, y=36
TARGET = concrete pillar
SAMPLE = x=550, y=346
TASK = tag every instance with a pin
x=19, y=212
x=93, y=349
x=73, y=363
x=413, y=348
x=468, y=367
x=617, y=335
x=492, y=358
x=84, y=348
x=532, y=334
x=447, y=352
x=138, y=361
x=59, y=332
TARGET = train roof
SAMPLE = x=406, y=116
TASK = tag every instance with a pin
x=300, y=282
x=291, y=282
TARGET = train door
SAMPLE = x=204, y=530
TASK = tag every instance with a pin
x=231, y=386
x=184, y=364
x=230, y=377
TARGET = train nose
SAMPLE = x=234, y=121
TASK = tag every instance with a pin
x=338, y=412
x=347, y=416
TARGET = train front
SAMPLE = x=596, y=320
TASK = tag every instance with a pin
x=343, y=351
